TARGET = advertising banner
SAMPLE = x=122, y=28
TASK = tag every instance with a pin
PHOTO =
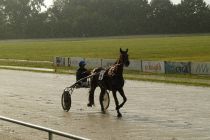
x=67, y=61
x=153, y=66
x=59, y=61
x=134, y=65
x=75, y=61
x=107, y=62
x=177, y=67
x=200, y=68
x=93, y=62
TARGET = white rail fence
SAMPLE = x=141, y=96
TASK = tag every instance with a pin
x=48, y=130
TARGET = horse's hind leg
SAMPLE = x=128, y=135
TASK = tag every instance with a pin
x=117, y=104
x=124, y=98
x=103, y=91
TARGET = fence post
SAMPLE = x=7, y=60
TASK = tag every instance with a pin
x=50, y=136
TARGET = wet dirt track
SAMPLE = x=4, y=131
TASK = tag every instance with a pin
x=154, y=111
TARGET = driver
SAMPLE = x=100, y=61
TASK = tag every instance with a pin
x=81, y=73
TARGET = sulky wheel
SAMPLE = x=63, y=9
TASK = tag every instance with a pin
x=106, y=100
x=66, y=100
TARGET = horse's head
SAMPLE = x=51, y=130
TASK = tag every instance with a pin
x=124, y=57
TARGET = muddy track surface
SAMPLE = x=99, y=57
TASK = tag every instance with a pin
x=154, y=111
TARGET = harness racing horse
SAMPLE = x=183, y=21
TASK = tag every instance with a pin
x=110, y=79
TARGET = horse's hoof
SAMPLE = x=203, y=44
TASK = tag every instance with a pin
x=89, y=105
x=103, y=111
x=119, y=115
x=118, y=107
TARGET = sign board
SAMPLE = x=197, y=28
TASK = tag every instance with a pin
x=153, y=66
x=107, y=62
x=59, y=61
x=93, y=62
x=145, y=66
x=177, y=67
x=74, y=61
x=200, y=68
x=134, y=65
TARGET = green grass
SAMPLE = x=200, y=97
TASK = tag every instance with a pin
x=157, y=47
x=168, y=48
x=28, y=64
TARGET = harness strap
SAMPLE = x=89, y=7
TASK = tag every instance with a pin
x=112, y=71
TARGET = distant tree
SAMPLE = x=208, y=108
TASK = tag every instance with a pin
x=2, y=21
x=193, y=16
x=162, y=17
x=99, y=17
x=134, y=16
x=18, y=13
x=84, y=18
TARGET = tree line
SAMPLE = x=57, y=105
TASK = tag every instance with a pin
x=90, y=18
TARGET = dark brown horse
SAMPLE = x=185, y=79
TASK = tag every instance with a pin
x=110, y=79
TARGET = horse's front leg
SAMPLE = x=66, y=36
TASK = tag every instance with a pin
x=121, y=91
x=117, y=104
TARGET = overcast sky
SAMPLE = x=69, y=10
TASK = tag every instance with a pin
x=49, y=2
x=178, y=1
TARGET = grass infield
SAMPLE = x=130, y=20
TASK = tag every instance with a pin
x=166, y=48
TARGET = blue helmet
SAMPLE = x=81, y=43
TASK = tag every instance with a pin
x=82, y=63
